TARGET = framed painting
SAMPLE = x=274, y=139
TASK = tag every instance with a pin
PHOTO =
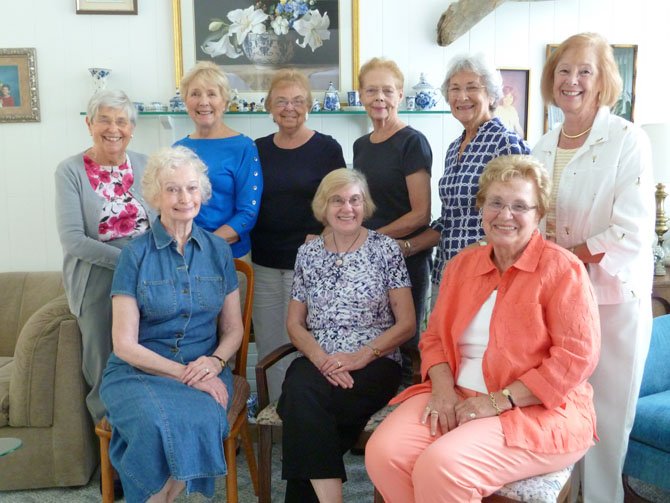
x=251, y=40
x=106, y=6
x=625, y=56
x=512, y=108
x=19, y=100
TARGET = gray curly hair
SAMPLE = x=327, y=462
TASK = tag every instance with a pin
x=476, y=63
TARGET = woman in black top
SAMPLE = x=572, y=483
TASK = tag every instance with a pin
x=294, y=159
x=396, y=160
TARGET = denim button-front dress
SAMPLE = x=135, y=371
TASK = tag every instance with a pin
x=161, y=427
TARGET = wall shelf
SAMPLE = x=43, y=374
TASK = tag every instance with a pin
x=320, y=114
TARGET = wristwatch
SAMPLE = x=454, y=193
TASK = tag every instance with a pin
x=508, y=394
x=221, y=361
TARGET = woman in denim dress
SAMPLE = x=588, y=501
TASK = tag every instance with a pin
x=176, y=322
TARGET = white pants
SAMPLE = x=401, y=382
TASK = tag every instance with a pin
x=626, y=334
x=271, y=297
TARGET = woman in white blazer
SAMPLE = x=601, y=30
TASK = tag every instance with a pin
x=602, y=209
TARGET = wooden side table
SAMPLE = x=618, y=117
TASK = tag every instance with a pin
x=660, y=295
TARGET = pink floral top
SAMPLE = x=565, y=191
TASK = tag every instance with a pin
x=122, y=215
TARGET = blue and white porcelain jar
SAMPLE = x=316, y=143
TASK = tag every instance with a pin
x=331, y=100
x=426, y=95
x=177, y=103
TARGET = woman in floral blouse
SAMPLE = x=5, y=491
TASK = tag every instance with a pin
x=351, y=308
x=99, y=209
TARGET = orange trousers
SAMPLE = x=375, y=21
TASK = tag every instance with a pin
x=406, y=464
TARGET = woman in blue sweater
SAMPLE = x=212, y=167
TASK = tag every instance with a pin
x=232, y=160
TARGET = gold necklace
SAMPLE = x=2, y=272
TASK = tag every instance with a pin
x=575, y=136
x=339, y=261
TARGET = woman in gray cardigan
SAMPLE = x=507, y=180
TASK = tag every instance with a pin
x=99, y=209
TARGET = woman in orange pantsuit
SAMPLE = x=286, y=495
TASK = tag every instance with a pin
x=506, y=356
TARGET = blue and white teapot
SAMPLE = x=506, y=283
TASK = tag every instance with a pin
x=426, y=95
x=331, y=100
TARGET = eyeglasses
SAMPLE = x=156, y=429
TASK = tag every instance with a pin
x=497, y=206
x=338, y=202
x=469, y=90
x=296, y=102
x=107, y=121
x=374, y=91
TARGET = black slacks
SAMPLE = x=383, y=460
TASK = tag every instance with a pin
x=321, y=421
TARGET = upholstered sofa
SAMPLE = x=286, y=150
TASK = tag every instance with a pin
x=648, y=456
x=42, y=391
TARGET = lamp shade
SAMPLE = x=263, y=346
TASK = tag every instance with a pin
x=659, y=136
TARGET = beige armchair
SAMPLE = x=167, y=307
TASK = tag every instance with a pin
x=42, y=389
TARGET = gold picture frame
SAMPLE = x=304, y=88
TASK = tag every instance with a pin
x=184, y=40
x=515, y=102
x=18, y=85
x=106, y=7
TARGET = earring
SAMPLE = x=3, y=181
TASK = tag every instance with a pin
x=306, y=115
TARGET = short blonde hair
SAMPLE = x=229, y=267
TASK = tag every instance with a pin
x=334, y=181
x=171, y=159
x=207, y=72
x=609, y=78
x=288, y=76
x=382, y=64
x=509, y=167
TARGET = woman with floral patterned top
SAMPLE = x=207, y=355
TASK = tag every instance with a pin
x=351, y=308
x=473, y=89
x=99, y=209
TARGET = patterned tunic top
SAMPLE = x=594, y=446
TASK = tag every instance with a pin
x=459, y=224
x=348, y=306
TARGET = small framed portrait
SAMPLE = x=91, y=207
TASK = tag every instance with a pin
x=106, y=6
x=19, y=101
x=512, y=108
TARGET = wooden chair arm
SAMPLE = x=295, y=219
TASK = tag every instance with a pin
x=261, y=372
x=415, y=355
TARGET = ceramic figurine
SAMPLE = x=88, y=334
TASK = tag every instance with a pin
x=234, y=104
x=316, y=106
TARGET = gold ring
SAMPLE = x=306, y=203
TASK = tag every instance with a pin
x=339, y=364
x=434, y=413
x=472, y=415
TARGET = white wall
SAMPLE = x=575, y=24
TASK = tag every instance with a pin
x=139, y=51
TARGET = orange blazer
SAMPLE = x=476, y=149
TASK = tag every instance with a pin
x=544, y=331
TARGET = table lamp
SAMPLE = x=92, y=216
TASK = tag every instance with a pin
x=659, y=137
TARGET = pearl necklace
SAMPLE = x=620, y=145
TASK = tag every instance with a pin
x=339, y=261
x=571, y=137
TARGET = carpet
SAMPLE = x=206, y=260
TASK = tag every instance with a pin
x=358, y=487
